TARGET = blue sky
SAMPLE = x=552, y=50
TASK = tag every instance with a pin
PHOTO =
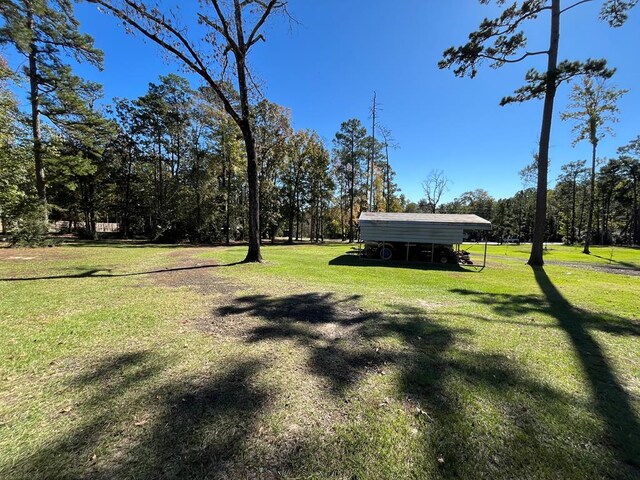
x=326, y=68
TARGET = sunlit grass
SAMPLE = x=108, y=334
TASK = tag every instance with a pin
x=316, y=364
x=614, y=256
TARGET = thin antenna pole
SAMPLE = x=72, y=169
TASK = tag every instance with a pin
x=388, y=179
x=373, y=151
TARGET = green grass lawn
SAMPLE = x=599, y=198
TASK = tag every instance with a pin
x=610, y=256
x=135, y=361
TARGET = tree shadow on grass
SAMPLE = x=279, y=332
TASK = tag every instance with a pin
x=509, y=306
x=625, y=265
x=478, y=411
x=342, y=341
x=317, y=322
x=607, y=323
x=196, y=427
x=488, y=419
x=120, y=243
x=612, y=402
x=453, y=385
x=202, y=427
x=106, y=273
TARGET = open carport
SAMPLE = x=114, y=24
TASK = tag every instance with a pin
x=422, y=236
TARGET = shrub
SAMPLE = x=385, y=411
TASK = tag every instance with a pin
x=31, y=229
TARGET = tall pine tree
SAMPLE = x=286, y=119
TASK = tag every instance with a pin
x=501, y=41
x=45, y=33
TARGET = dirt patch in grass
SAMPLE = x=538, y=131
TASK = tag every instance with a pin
x=242, y=317
x=598, y=267
x=30, y=255
x=319, y=335
x=431, y=305
x=634, y=272
x=196, y=275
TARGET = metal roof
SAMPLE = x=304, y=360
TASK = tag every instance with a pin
x=467, y=221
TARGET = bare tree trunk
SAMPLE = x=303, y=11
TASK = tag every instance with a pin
x=342, y=212
x=34, y=97
x=253, y=254
x=319, y=221
x=292, y=208
x=299, y=219
x=177, y=158
x=536, y=257
x=373, y=152
x=92, y=208
x=636, y=212
x=587, y=238
x=291, y=217
x=316, y=223
x=351, y=191
x=126, y=217
x=198, y=197
x=322, y=214
x=312, y=222
x=244, y=198
x=388, y=179
x=581, y=214
x=227, y=181
x=319, y=233
x=572, y=237
x=160, y=183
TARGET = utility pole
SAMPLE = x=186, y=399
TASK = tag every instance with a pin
x=373, y=151
x=388, y=142
x=387, y=178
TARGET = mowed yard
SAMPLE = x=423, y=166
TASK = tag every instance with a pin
x=147, y=361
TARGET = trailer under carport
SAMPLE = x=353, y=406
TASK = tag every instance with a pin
x=420, y=228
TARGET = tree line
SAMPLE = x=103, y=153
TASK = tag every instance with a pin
x=595, y=201
x=170, y=166
x=616, y=217
x=219, y=162
x=205, y=164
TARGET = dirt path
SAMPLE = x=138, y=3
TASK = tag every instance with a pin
x=233, y=315
x=619, y=270
x=198, y=274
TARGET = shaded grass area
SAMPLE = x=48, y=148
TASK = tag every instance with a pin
x=313, y=365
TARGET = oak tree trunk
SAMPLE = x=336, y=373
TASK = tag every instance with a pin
x=253, y=253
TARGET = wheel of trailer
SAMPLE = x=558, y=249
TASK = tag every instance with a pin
x=444, y=259
x=386, y=253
